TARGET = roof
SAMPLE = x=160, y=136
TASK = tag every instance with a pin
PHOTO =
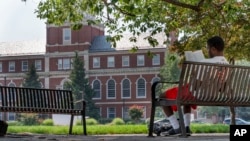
x=100, y=44
x=142, y=43
x=23, y=47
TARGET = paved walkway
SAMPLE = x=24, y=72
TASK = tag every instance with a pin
x=117, y=137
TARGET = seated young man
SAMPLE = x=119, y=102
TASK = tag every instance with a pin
x=215, y=46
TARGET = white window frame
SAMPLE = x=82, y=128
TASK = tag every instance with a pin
x=1, y=67
x=25, y=65
x=64, y=64
x=111, y=112
x=11, y=114
x=129, y=89
x=60, y=64
x=99, y=90
x=137, y=89
x=71, y=63
x=12, y=66
x=38, y=64
x=96, y=62
x=156, y=59
x=140, y=60
x=111, y=90
x=111, y=61
x=125, y=113
x=66, y=36
x=125, y=61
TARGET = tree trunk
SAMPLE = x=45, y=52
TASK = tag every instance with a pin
x=232, y=112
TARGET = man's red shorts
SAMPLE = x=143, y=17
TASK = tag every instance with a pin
x=172, y=94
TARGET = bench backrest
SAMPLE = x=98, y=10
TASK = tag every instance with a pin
x=208, y=82
x=18, y=97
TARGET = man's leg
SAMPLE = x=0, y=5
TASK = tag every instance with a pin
x=171, y=117
x=187, y=118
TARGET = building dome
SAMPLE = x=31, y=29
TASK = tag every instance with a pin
x=100, y=43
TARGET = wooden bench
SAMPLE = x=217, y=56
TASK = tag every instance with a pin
x=208, y=85
x=44, y=101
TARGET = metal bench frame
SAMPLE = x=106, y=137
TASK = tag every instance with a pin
x=210, y=85
x=44, y=101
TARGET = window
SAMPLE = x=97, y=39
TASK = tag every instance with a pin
x=66, y=63
x=125, y=113
x=111, y=61
x=99, y=110
x=66, y=36
x=111, y=112
x=140, y=60
x=125, y=61
x=126, y=88
x=41, y=84
x=1, y=117
x=59, y=64
x=155, y=79
x=11, y=66
x=11, y=116
x=96, y=62
x=156, y=59
x=38, y=64
x=111, y=89
x=71, y=63
x=97, y=89
x=63, y=64
x=141, y=88
x=1, y=67
x=24, y=65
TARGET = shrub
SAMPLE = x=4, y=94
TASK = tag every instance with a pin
x=14, y=123
x=117, y=121
x=135, y=112
x=29, y=119
x=48, y=122
x=78, y=122
x=105, y=120
x=89, y=121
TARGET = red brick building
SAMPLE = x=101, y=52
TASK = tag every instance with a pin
x=119, y=78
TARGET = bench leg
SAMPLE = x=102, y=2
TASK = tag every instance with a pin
x=71, y=124
x=181, y=120
x=84, y=124
x=151, y=122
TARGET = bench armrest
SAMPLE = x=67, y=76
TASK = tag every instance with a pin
x=80, y=104
x=78, y=101
x=153, y=87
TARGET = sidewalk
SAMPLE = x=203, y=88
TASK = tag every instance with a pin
x=117, y=137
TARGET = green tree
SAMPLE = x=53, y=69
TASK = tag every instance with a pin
x=80, y=87
x=193, y=21
x=170, y=71
x=31, y=80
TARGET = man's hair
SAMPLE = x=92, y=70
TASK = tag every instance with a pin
x=216, y=42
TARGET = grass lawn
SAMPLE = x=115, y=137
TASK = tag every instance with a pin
x=111, y=129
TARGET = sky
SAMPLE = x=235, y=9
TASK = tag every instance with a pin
x=18, y=22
